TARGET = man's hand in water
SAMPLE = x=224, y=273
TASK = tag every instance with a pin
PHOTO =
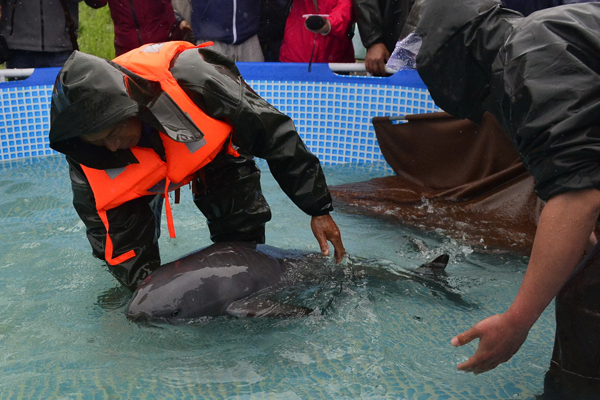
x=564, y=232
x=325, y=229
x=499, y=340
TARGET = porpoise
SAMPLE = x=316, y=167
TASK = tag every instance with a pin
x=236, y=278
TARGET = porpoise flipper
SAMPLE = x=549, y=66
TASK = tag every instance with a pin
x=257, y=307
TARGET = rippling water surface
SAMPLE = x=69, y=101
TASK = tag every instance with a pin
x=63, y=333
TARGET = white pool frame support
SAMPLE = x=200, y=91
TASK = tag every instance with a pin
x=335, y=67
x=332, y=111
x=354, y=67
x=15, y=73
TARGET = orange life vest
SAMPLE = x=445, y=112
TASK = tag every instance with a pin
x=152, y=175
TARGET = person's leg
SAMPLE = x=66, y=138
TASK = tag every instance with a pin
x=227, y=50
x=249, y=51
x=37, y=59
x=575, y=365
x=228, y=193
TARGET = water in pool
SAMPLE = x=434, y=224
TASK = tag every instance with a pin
x=63, y=333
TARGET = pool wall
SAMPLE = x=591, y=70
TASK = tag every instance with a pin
x=332, y=112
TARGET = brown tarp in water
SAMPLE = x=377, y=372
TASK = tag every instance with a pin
x=450, y=174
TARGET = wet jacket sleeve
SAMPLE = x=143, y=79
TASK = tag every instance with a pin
x=215, y=85
x=381, y=21
x=133, y=226
x=369, y=20
x=546, y=83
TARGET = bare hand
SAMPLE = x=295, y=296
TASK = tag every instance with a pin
x=377, y=56
x=325, y=229
x=184, y=26
x=499, y=339
x=324, y=30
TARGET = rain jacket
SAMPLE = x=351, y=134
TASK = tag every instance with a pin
x=38, y=25
x=138, y=22
x=539, y=75
x=336, y=46
x=381, y=21
x=526, y=7
x=91, y=94
x=273, y=15
x=230, y=22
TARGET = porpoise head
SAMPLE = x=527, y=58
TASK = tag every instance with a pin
x=203, y=284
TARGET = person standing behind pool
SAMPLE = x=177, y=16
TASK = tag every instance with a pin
x=540, y=77
x=380, y=23
x=40, y=33
x=273, y=15
x=160, y=117
x=137, y=22
x=326, y=41
x=231, y=25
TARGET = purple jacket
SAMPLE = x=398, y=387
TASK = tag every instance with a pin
x=138, y=22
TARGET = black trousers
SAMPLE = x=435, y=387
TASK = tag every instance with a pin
x=228, y=193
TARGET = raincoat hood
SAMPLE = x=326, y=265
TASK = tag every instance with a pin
x=91, y=94
x=539, y=75
x=467, y=36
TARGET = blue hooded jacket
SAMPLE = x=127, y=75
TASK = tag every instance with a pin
x=227, y=21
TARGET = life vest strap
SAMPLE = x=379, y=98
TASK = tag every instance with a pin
x=230, y=149
x=108, y=248
x=168, y=211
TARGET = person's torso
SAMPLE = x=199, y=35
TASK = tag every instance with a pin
x=227, y=21
x=139, y=22
x=38, y=25
x=298, y=41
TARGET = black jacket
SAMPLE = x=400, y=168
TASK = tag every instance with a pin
x=381, y=21
x=273, y=16
x=38, y=25
x=91, y=94
x=539, y=75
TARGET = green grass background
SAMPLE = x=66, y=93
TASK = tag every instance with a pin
x=96, y=31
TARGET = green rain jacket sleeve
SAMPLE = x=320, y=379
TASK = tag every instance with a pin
x=216, y=86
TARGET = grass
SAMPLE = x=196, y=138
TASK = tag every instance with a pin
x=96, y=31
